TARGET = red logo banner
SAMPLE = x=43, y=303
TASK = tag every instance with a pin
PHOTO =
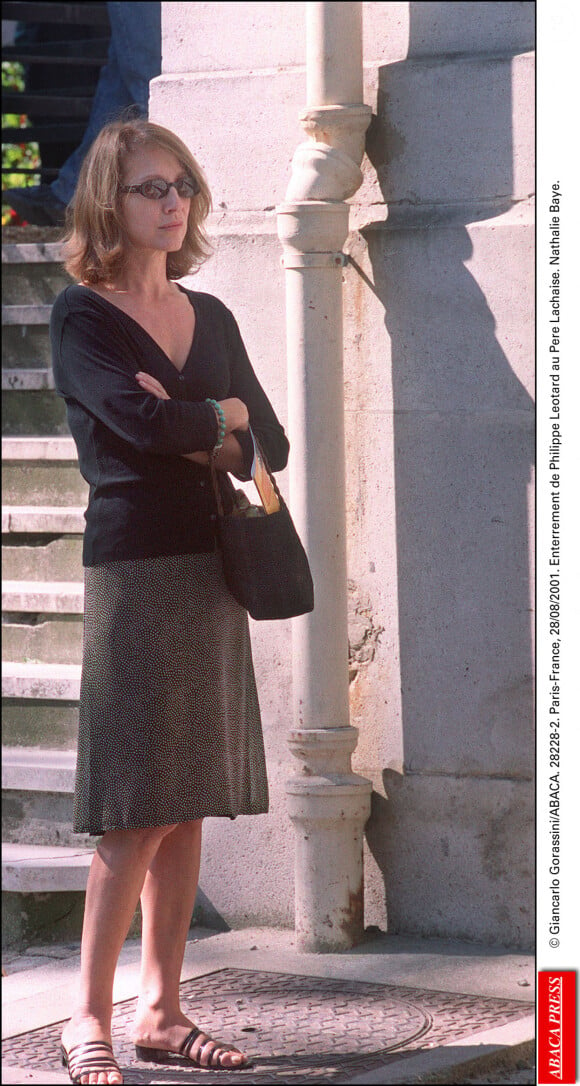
x=556, y=1026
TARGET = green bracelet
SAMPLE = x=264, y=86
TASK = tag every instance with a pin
x=221, y=418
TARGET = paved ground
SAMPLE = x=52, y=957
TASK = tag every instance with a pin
x=392, y=1010
x=526, y=1074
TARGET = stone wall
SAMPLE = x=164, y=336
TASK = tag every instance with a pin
x=440, y=437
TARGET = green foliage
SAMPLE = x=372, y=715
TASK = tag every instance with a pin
x=12, y=76
x=16, y=156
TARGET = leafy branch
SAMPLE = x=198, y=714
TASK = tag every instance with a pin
x=16, y=156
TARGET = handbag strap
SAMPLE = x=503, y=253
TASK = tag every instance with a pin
x=216, y=486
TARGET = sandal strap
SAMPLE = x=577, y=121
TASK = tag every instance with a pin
x=84, y=1045
x=215, y=1060
x=89, y=1056
x=189, y=1042
x=218, y=1048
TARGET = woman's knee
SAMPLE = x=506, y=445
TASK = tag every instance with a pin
x=142, y=838
x=148, y=837
x=185, y=830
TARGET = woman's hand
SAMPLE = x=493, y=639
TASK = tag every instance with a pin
x=230, y=456
x=152, y=385
x=236, y=414
x=235, y=411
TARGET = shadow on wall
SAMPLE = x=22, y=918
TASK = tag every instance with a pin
x=441, y=145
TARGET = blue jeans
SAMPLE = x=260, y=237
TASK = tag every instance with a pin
x=134, y=59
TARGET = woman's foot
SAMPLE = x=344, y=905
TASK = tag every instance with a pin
x=154, y=1037
x=88, y=1053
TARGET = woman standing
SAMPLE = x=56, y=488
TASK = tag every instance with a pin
x=156, y=381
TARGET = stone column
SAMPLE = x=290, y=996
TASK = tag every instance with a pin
x=327, y=802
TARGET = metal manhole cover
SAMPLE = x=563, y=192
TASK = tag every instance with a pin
x=296, y=1029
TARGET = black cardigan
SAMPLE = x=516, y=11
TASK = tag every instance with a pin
x=145, y=499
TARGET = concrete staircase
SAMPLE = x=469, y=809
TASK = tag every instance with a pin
x=44, y=867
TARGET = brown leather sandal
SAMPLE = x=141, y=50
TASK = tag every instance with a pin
x=87, y=1058
x=165, y=1055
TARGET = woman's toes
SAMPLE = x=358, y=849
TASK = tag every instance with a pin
x=232, y=1059
x=102, y=1078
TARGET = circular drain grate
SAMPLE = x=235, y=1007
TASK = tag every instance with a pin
x=296, y=1029
x=303, y=1017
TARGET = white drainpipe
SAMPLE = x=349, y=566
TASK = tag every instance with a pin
x=328, y=804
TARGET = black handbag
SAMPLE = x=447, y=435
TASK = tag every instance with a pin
x=265, y=564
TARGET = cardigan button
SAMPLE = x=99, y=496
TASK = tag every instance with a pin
x=180, y=377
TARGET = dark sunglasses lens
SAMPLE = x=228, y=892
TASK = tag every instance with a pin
x=154, y=190
x=187, y=187
x=157, y=188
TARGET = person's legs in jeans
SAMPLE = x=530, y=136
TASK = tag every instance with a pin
x=134, y=60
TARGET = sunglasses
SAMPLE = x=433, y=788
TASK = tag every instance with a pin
x=157, y=188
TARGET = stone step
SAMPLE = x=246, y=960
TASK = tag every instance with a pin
x=29, y=769
x=33, y=411
x=63, y=14
x=28, y=722
x=38, y=638
x=44, y=868
x=32, y=284
x=27, y=379
x=42, y=558
x=37, y=797
x=38, y=448
x=66, y=103
x=30, y=252
x=43, y=890
x=42, y=621
x=26, y=314
x=43, y=682
x=85, y=53
x=42, y=520
x=43, y=639
x=32, y=276
x=40, y=704
x=24, y=346
x=43, y=598
x=41, y=471
x=29, y=289
x=42, y=543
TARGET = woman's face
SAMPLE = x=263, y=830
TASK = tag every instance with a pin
x=154, y=224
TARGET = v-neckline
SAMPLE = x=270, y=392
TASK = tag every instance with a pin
x=148, y=334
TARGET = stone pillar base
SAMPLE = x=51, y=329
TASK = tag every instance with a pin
x=329, y=814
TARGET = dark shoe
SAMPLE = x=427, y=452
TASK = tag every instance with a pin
x=214, y=1055
x=87, y=1059
x=37, y=205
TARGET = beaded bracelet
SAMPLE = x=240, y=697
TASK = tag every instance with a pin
x=221, y=418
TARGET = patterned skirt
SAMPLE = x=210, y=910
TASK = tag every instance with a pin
x=169, y=723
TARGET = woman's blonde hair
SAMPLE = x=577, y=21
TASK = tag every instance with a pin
x=95, y=244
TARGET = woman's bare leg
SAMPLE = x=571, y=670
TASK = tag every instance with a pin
x=167, y=901
x=115, y=881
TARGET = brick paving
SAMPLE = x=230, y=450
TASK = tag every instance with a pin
x=297, y=1029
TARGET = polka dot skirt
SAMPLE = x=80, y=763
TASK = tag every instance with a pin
x=169, y=722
